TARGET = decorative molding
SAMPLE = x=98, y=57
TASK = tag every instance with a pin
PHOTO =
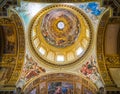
x=112, y=60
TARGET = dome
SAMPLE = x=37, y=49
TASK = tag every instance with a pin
x=60, y=35
x=60, y=27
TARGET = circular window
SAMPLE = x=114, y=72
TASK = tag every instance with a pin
x=60, y=35
x=60, y=25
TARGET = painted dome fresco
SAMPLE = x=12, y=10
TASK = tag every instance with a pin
x=60, y=27
x=60, y=35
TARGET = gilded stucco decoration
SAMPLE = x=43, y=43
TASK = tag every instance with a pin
x=108, y=62
x=100, y=50
x=58, y=38
x=13, y=49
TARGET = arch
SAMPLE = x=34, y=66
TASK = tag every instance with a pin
x=42, y=84
x=100, y=48
x=107, y=60
x=13, y=50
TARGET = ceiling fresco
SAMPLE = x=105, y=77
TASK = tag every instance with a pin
x=63, y=49
x=93, y=10
x=60, y=83
x=29, y=71
x=90, y=70
x=54, y=34
x=57, y=46
x=60, y=27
